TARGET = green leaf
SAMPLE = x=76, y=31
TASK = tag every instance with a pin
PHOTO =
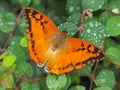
x=2, y=41
x=71, y=28
x=75, y=79
x=1, y=87
x=85, y=70
x=43, y=85
x=7, y=22
x=109, y=42
x=5, y=53
x=56, y=82
x=104, y=17
x=7, y=80
x=2, y=69
x=102, y=88
x=25, y=69
x=15, y=41
x=18, y=52
x=106, y=78
x=9, y=60
x=73, y=6
x=113, y=26
x=115, y=6
x=25, y=2
x=4, y=6
x=24, y=42
x=15, y=49
x=77, y=88
x=74, y=18
x=93, y=4
x=68, y=76
x=30, y=86
x=36, y=2
x=14, y=2
x=22, y=26
x=94, y=32
x=113, y=54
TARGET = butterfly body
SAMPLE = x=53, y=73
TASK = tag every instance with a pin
x=52, y=49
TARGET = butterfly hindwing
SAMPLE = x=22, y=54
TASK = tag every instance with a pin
x=84, y=52
x=61, y=63
x=75, y=55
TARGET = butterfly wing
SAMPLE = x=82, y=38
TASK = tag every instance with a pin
x=39, y=31
x=84, y=52
x=61, y=63
x=76, y=54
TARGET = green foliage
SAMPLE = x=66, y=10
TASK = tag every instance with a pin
x=93, y=5
x=22, y=26
x=94, y=32
x=115, y=6
x=106, y=78
x=30, y=86
x=77, y=88
x=56, y=82
x=113, y=26
x=71, y=24
x=113, y=54
x=74, y=18
x=97, y=21
x=7, y=21
x=23, y=42
x=86, y=70
x=8, y=61
x=102, y=88
x=73, y=6
x=7, y=80
x=36, y=2
x=25, y=2
x=25, y=67
x=70, y=27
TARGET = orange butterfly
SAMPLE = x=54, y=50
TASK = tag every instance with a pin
x=51, y=49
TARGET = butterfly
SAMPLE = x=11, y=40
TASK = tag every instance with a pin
x=52, y=49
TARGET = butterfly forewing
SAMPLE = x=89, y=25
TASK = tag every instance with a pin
x=40, y=29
